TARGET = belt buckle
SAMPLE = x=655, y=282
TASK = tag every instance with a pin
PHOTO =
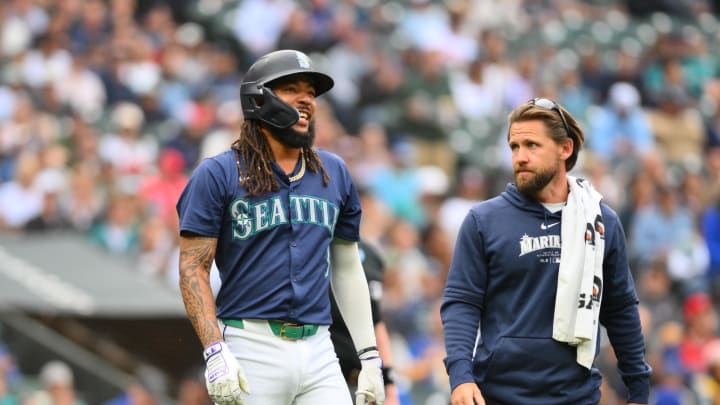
x=282, y=331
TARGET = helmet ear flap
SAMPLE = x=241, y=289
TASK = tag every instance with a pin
x=252, y=99
x=270, y=109
x=256, y=101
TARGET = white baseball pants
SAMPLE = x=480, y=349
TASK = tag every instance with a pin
x=287, y=372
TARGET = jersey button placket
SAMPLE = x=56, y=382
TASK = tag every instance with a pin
x=293, y=244
x=294, y=277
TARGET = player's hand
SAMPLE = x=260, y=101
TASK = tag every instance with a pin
x=224, y=377
x=467, y=394
x=370, y=388
x=391, y=395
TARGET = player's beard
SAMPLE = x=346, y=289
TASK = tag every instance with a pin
x=538, y=180
x=295, y=139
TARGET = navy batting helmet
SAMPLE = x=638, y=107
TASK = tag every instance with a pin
x=260, y=103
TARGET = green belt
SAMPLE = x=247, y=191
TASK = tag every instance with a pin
x=284, y=330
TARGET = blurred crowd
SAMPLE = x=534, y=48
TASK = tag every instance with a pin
x=106, y=106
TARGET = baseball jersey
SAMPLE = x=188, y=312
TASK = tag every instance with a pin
x=273, y=250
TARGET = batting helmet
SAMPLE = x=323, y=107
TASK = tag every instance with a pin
x=260, y=103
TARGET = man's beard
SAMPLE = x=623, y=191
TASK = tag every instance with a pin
x=295, y=139
x=537, y=182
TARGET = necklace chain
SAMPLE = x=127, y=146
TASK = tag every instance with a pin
x=301, y=172
x=292, y=179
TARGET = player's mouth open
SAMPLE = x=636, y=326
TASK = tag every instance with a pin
x=304, y=117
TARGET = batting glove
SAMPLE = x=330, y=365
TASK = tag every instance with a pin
x=370, y=388
x=224, y=377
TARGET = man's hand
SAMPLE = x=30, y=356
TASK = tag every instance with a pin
x=223, y=376
x=370, y=388
x=391, y=395
x=467, y=394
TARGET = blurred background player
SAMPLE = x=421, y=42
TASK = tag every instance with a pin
x=347, y=354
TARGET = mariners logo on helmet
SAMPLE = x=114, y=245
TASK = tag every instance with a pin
x=258, y=100
x=303, y=60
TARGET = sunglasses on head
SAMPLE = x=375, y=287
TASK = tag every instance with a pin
x=547, y=104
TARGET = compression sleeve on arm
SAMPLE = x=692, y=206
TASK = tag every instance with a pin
x=352, y=295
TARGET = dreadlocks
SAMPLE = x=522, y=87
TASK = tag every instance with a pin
x=253, y=149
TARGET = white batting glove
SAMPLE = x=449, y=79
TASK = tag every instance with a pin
x=370, y=388
x=224, y=377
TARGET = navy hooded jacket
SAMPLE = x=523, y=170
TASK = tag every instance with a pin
x=499, y=300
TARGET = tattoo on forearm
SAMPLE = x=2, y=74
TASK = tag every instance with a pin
x=196, y=256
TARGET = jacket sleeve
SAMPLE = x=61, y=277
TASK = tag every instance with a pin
x=461, y=306
x=620, y=316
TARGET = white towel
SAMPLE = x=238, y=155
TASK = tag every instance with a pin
x=580, y=278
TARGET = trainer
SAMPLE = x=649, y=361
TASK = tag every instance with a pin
x=535, y=272
x=281, y=220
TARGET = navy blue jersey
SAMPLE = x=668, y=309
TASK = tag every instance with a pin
x=503, y=278
x=273, y=250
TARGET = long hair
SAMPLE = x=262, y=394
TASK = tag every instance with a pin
x=253, y=149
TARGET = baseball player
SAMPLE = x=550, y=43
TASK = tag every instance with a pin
x=281, y=220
